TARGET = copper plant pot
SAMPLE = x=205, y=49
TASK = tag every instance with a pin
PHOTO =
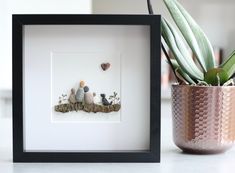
x=203, y=118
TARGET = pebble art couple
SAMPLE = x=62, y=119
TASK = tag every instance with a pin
x=83, y=95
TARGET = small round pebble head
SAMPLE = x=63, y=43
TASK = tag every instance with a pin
x=72, y=91
x=86, y=89
x=82, y=84
x=102, y=95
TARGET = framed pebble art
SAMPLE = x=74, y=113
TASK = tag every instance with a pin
x=86, y=88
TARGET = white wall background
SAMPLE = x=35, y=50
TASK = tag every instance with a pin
x=9, y=7
x=216, y=17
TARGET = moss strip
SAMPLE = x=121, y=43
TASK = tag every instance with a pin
x=69, y=107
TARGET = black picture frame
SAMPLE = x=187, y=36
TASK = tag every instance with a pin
x=19, y=155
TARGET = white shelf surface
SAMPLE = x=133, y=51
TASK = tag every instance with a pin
x=172, y=159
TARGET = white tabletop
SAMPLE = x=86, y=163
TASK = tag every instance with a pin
x=172, y=159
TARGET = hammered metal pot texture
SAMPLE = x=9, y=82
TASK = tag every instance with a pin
x=203, y=118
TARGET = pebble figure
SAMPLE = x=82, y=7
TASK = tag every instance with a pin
x=80, y=92
x=72, y=96
x=97, y=99
x=88, y=96
x=105, y=102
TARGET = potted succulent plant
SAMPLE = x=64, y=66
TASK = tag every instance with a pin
x=203, y=101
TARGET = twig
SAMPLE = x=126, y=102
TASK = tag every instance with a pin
x=150, y=8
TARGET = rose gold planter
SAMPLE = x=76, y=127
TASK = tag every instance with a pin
x=203, y=118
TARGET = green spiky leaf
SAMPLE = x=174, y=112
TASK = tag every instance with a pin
x=179, y=70
x=229, y=65
x=193, y=34
x=179, y=50
x=216, y=76
x=202, y=40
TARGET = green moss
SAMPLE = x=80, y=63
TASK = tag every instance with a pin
x=70, y=107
